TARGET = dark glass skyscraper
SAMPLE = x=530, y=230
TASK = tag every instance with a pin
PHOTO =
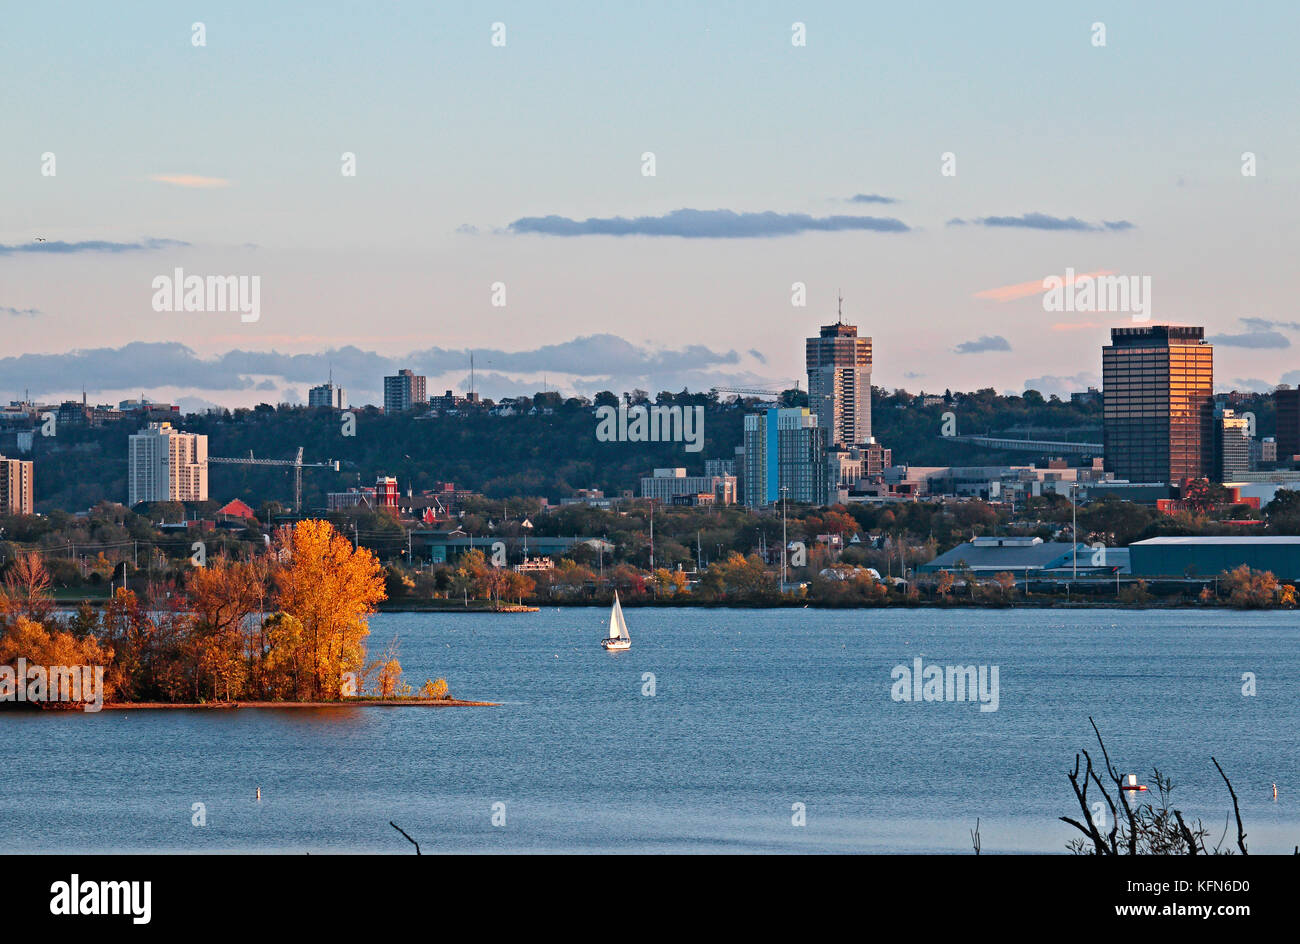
x=1158, y=405
x=1288, y=424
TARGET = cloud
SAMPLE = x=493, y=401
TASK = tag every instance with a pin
x=705, y=224
x=1263, y=324
x=1251, y=339
x=984, y=343
x=1063, y=386
x=594, y=362
x=1006, y=293
x=158, y=364
x=1253, y=384
x=190, y=180
x=95, y=245
x=757, y=355
x=1043, y=221
x=19, y=312
x=870, y=198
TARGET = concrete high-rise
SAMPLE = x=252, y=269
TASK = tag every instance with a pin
x=1157, y=403
x=328, y=395
x=16, y=487
x=1232, y=441
x=167, y=465
x=404, y=391
x=839, y=384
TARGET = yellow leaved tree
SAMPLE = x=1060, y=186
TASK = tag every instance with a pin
x=329, y=589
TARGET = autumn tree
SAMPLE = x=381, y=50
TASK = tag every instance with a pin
x=226, y=597
x=26, y=589
x=331, y=589
x=26, y=639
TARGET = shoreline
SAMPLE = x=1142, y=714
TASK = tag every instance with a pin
x=353, y=703
x=425, y=606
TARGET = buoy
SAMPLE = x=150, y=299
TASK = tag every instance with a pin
x=259, y=793
x=1275, y=791
x=1131, y=783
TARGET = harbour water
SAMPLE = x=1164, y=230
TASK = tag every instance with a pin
x=717, y=731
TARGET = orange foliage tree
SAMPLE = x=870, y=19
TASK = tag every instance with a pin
x=330, y=589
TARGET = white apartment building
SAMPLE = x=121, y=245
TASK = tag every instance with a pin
x=167, y=465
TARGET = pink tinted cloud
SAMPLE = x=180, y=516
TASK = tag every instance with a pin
x=1008, y=293
x=190, y=180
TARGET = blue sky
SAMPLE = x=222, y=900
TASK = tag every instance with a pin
x=457, y=139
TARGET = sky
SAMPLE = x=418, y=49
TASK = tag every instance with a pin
x=516, y=173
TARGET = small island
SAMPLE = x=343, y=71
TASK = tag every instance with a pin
x=285, y=626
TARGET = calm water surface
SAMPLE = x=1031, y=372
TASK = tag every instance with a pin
x=754, y=711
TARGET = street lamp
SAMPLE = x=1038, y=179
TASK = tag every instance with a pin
x=784, y=542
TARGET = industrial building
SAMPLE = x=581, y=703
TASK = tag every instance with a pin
x=1209, y=556
x=985, y=556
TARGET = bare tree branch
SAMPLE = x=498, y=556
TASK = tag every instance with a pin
x=1241, y=833
x=408, y=838
x=1187, y=834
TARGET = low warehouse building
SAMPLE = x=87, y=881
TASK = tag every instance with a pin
x=1209, y=556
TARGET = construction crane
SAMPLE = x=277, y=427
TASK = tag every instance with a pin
x=295, y=463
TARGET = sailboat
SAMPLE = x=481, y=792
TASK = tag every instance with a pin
x=618, y=639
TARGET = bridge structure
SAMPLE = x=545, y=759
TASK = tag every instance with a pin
x=1046, y=446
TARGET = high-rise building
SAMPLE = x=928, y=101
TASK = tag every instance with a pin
x=16, y=487
x=785, y=457
x=404, y=391
x=839, y=384
x=1288, y=423
x=167, y=465
x=1232, y=441
x=327, y=395
x=1158, y=407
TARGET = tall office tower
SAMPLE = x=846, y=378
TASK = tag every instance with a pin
x=839, y=383
x=1158, y=407
x=16, y=487
x=168, y=465
x=1232, y=442
x=1288, y=424
x=327, y=395
x=784, y=449
x=405, y=391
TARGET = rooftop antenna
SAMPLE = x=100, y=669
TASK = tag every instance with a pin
x=840, y=309
x=471, y=371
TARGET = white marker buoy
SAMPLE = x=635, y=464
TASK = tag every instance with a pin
x=259, y=793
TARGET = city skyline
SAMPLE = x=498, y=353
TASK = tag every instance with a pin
x=614, y=279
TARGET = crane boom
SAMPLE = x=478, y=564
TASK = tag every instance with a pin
x=295, y=463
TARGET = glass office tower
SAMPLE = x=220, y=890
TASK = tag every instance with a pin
x=1158, y=405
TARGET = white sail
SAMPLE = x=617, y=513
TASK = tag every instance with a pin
x=617, y=625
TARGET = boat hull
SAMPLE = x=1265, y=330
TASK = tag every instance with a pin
x=616, y=645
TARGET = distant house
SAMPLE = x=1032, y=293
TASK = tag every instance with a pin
x=236, y=509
